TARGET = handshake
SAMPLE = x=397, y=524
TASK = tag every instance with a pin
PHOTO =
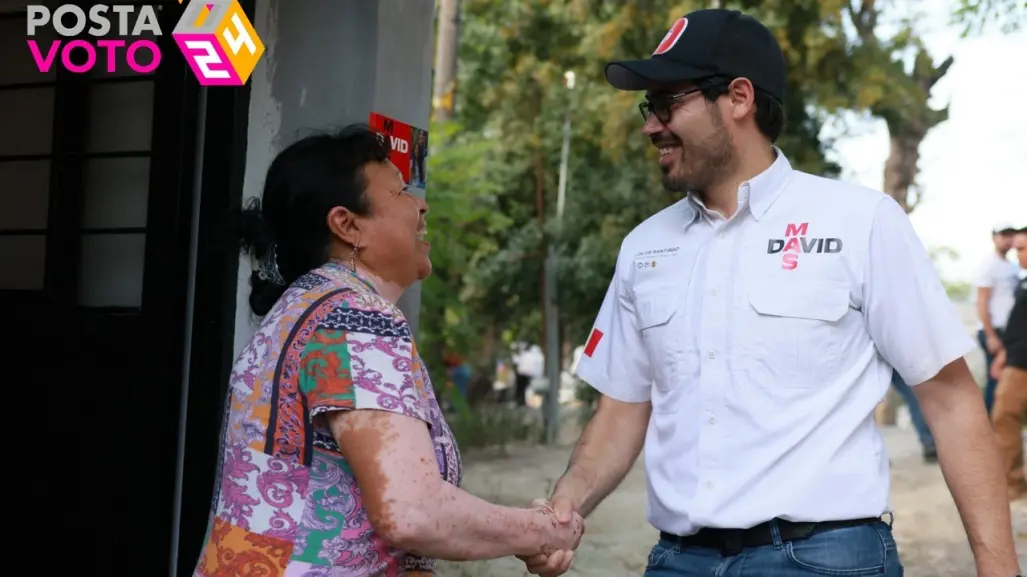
x=562, y=527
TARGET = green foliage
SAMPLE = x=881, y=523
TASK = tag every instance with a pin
x=463, y=222
x=976, y=16
x=495, y=426
x=957, y=290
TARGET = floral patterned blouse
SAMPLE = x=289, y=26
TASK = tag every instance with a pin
x=286, y=503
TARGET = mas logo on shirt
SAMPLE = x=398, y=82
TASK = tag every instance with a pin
x=796, y=243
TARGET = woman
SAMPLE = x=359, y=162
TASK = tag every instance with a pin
x=335, y=456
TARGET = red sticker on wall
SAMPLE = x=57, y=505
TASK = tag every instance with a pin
x=409, y=147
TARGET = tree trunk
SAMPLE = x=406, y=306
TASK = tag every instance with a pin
x=484, y=369
x=908, y=122
x=443, y=92
x=900, y=169
x=900, y=172
x=540, y=210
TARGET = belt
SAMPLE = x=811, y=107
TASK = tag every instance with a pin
x=733, y=541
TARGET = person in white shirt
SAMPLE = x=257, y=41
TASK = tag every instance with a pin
x=749, y=332
x=996, y=281
x=529, y=364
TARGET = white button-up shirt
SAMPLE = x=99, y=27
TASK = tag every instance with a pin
x=764, y=342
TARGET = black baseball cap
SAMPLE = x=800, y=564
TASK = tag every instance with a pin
x=705, y=43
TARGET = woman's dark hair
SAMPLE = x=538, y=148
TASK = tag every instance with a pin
x=288, y=226
x=770, y=114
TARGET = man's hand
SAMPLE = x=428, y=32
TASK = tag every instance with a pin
x=993, y=343
x=608, y=447
x=998, y=364
x=557, y=562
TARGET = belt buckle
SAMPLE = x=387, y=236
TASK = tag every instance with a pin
x=733, y=543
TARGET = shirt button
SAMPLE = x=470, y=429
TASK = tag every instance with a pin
x=713, y=292
x=709, y=484
x=713, y=419
x=711, y=354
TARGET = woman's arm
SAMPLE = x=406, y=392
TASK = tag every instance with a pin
x=413, y=509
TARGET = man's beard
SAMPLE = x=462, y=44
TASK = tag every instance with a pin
x=700, y=165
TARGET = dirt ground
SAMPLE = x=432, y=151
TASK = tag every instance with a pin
x=931, y=539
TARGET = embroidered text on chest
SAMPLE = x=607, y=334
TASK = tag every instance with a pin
x=657, y=252
x=797, y=242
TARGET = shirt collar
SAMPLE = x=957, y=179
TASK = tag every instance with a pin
x=343, y=272
x=765, y=187
x=758, y=192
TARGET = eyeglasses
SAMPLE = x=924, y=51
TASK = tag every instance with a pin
x=662, y=106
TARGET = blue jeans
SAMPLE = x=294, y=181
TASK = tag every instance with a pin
x=915, y=414
x=861, y=550
x=992, y=384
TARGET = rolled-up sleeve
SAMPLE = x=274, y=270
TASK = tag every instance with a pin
x=911, y=319
x=614, y=361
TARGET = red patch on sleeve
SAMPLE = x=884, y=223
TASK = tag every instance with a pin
x=593, y=342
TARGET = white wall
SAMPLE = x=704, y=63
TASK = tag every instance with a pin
x=329, y=63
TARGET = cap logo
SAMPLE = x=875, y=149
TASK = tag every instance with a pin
x=672, y=36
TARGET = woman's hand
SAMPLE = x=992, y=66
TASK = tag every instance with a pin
x=554, y=560
x=559, y=536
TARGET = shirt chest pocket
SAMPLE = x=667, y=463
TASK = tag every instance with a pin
x=658, y=314
x=797, y=331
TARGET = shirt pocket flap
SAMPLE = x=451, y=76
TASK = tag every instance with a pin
x=655, y=308
x=802, y=300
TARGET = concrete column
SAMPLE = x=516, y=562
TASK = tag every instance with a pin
x=329, y=63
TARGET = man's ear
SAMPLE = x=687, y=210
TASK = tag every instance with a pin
x=742, y=97
x=344, y=225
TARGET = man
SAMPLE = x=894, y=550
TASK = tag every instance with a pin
x=749, y=361
x=996, y=280
x=1010, y=411
x=529, y=364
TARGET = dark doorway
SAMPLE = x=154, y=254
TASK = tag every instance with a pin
x=214, y=309
x=96, y=179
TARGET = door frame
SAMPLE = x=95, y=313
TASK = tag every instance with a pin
x=211, y=348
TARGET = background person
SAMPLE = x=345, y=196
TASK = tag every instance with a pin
x=529, y=364
x=996, y=280
x=1010, y=411
x=419, y=159
x=335, y=457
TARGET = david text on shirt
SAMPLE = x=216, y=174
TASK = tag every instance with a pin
x=796, y=242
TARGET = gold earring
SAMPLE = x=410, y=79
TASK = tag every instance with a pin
x=353, y=259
